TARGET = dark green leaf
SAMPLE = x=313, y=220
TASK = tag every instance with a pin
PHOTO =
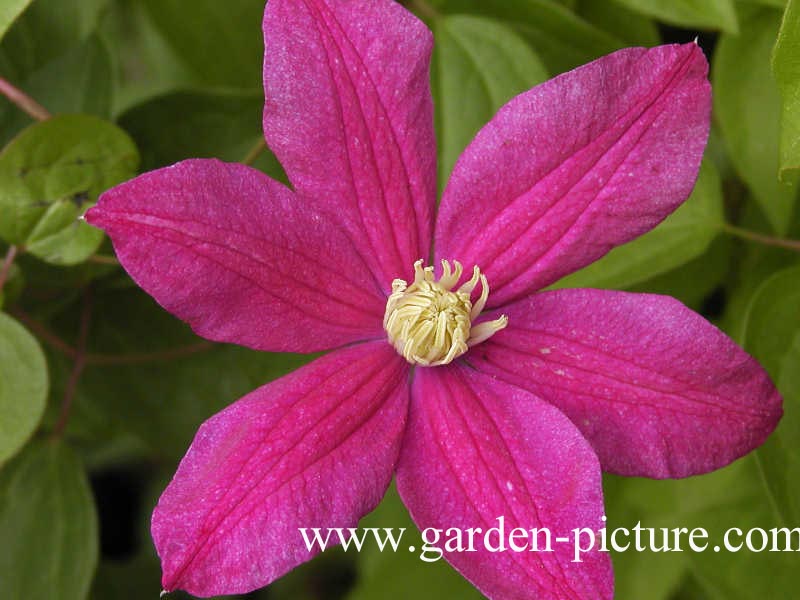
x=748, y=106
x=23, y=386
x=79, y=81
x=182, y=125
x=221, y=42
x=12, y=287
x=48, y=525
x=479, y=65
x=45, y=31
x=162, y=400
x=50, y=174
x=786, y=67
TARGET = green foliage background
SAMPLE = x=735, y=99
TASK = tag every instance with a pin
x=101, y=391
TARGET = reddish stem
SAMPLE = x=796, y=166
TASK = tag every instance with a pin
x=760, y=238
x=77, y=367
x=5, y=269
x=134, y=358
x=23, y=101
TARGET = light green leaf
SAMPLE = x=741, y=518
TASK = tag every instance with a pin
x=703, y=14
x=50, y=174
x=48, y=525
x=479, y=65
x=684, y=235
x=786, y=67
x=23, y=386
x=747, y=105
x=9, y=11
x=730, y=497
x=221, y=42
x=694, y=283
x=400, y=575
x=561, y=39
x=772, y=335
x=774, y=3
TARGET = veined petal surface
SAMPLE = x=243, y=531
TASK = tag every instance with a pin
x=656, y=389
x=291, y=454
x=241, y=258
x=579, y=164
x=477, y=449
x=349, y=114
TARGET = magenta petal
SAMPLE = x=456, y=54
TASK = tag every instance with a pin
x=349, y=115
x=477, y=449
x=290, y=454
x=657, y=389
x=240, y=258
x=579, y=164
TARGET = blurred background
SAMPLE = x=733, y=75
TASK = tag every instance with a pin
x=101, y=391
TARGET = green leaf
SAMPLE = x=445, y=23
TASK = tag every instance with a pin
x=160, y=401
x=772, y=335
x=774, y=3
x=786, y=67
x=747, y=105
x=684, y=235
x=621, y=22
x=23, y=386
x=79, y=81
x=401, y=575
x=50, y=174
x=186, y=124
x=9, y=11
x=45, y=31
x=561, y=39
x=235, y=57
x=730, y=497
x=703, y=14
x=145, y=62
x=479, y=65
x=48, y=525
x=694, y=282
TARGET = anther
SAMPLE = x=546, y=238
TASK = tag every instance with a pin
x=429, y=323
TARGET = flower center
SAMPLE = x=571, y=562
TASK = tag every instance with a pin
x=429, y=323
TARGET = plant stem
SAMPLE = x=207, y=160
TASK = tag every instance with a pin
x=760, y=238
x=23, y=101
x=423, y=9
x=102, y=259
x=92, y=359
x=5, y=268
x=136, y=358
x=77, y=367
x=255, y=152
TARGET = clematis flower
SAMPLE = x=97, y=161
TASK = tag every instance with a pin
x=483, y=395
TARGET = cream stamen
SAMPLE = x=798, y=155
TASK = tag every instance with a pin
x=429, y=324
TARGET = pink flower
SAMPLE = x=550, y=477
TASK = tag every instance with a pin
x=513, y=408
